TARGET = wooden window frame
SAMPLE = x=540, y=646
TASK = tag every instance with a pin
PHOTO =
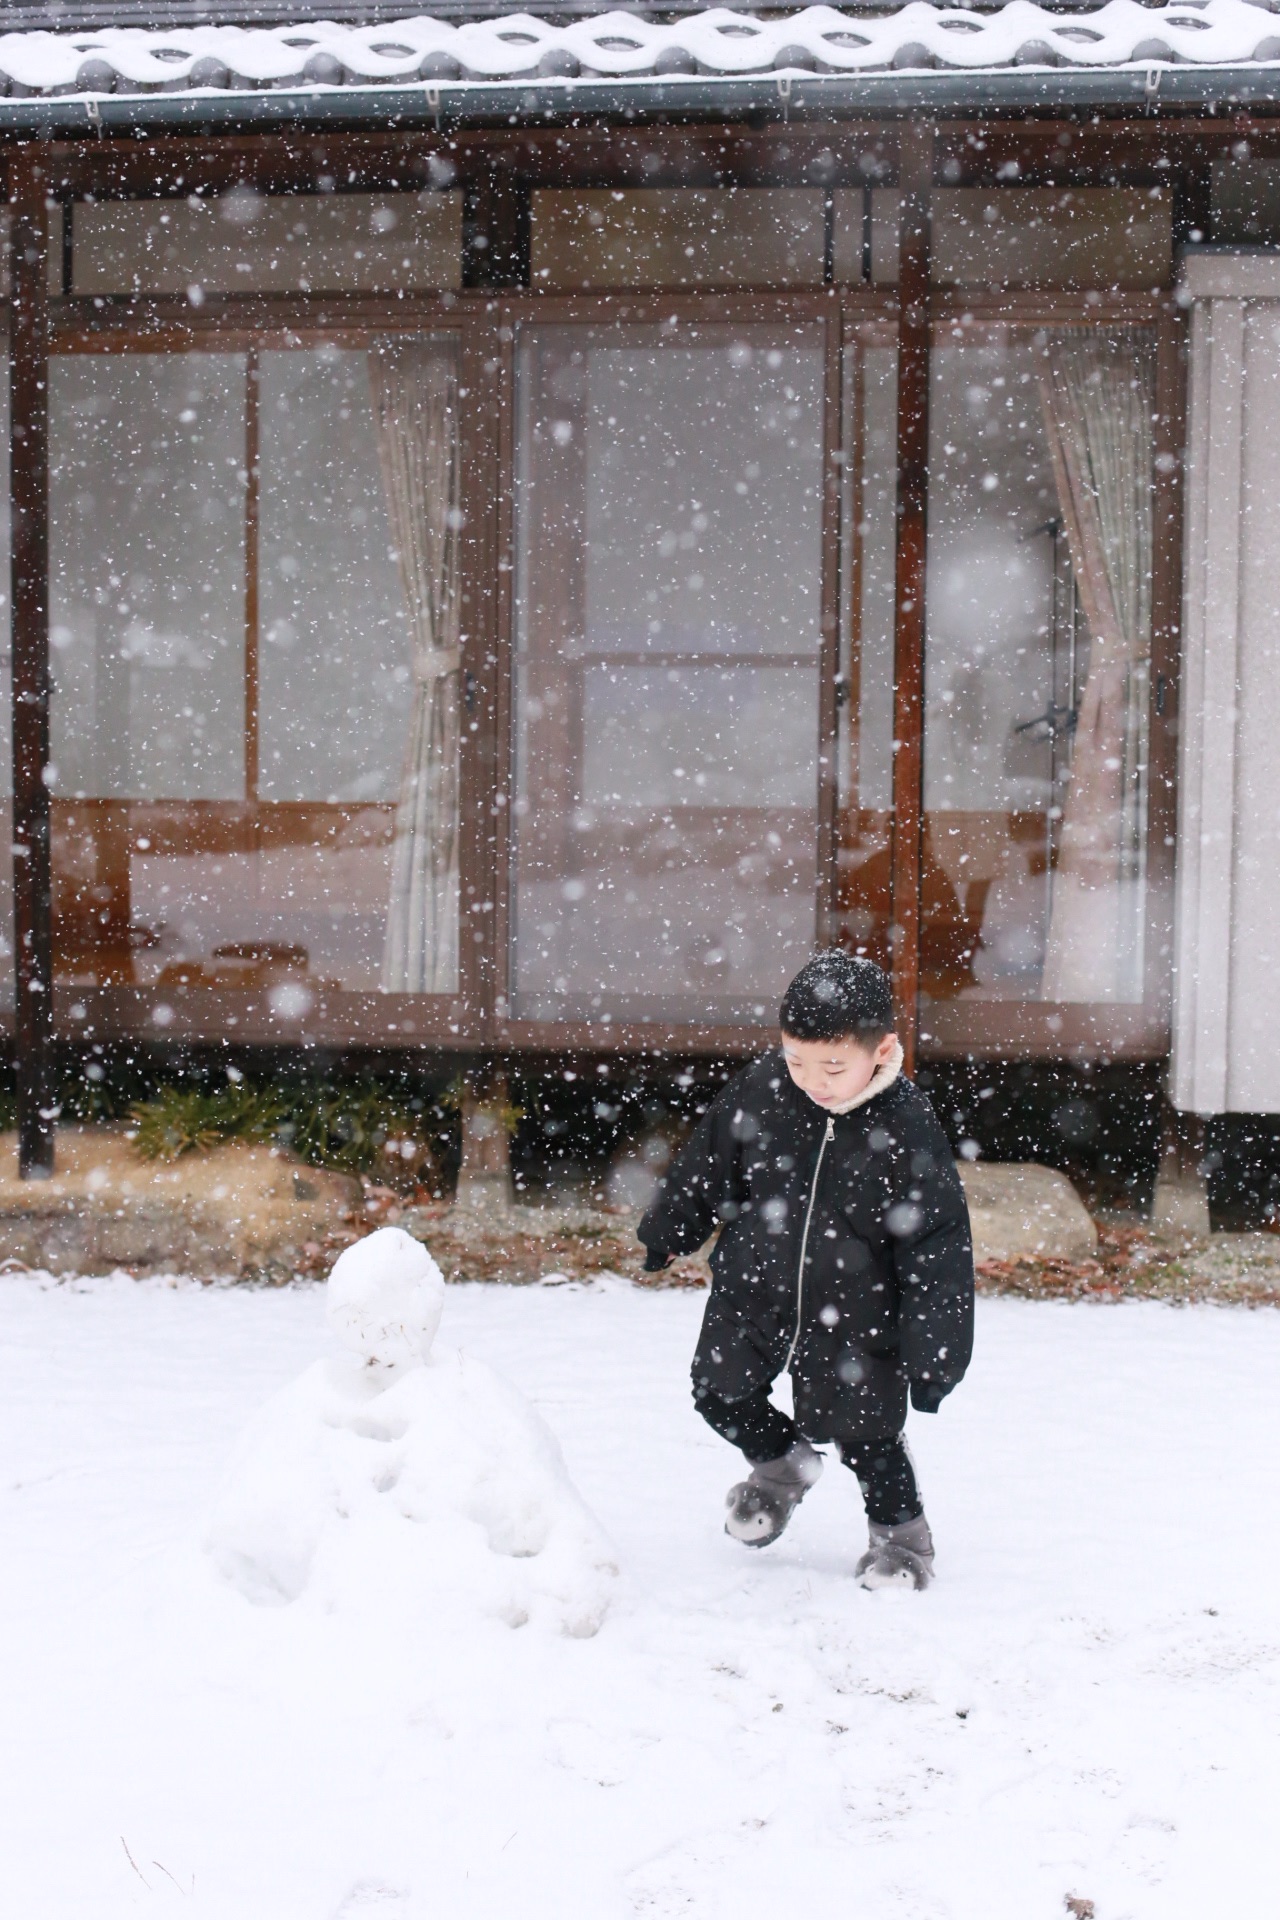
x=679, y=313
x=487, y=328
x=1097, y=1032
x=496, y=173
x=348, y=1017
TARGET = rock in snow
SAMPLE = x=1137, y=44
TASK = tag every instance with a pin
x=406, y=1477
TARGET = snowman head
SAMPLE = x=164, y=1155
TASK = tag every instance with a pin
x=385, y=1298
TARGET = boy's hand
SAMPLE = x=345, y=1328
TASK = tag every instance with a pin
x=656, y=1262
x=927, y=1396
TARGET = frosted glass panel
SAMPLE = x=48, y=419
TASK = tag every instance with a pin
x=246, y=242
x=669, y=501
x=335, y=650
x=147, y=575
x=1034, y=236
x=677, y=237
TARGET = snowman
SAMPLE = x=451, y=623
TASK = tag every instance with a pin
x=398, y=1475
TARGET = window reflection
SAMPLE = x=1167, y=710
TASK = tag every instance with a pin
x=669, y=502
x=1038, y=644
x=243, y=794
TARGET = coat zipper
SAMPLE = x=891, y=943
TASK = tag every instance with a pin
x=827, y=1137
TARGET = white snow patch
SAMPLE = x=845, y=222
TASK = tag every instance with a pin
x=396, y=1482
x=1087, y=1701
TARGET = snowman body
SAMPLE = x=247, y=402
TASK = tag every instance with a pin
x=401, y=1476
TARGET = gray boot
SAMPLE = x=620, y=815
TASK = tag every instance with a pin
x=761, y=1505
x=899, y=1556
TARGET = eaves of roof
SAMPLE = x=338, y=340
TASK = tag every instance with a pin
x=516, y=67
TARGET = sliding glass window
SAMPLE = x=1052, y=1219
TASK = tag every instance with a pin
x=669, y=498
x=1039, y=616
x=255, y=656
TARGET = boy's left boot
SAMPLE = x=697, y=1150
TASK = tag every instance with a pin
x=761, y=1505
x=900, y=1556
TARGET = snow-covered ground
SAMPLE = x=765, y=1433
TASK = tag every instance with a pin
x=1086, y=1704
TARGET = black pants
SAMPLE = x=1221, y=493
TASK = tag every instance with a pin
x=882, y=1464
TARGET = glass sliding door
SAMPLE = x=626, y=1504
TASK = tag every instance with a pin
x=669, y=498
x=1038, y=605
x=358, y=673
x=147, y=584
x=254, y=594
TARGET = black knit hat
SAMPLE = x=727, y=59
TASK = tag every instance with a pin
x=836, y=996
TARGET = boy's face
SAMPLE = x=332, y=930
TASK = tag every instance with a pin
x=833, y=1071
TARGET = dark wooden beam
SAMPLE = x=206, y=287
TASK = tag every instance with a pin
x=915, y=182
x=987, y=151
x=252, y=519
x=495, y=231
x=984, y=151
x=834, y=455
x=1166, y=654
x=319, y=161
x=29, y=491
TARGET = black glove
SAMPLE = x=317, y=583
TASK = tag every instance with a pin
x=655, y=1261
x=927, y=1395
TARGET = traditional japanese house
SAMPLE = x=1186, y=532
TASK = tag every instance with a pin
x=522, y=526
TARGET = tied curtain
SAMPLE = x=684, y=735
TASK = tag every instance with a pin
x=1098, y=396
x=415, y=407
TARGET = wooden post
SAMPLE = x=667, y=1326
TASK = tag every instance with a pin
x=252, y=518
x=1180, y=1204
x=915, y=178
x=495, y=230
x=834, y=455
x=29, y=492
x=484, y=1178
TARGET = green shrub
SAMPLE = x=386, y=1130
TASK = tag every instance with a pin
x=362, y=1128
x=181, y=1120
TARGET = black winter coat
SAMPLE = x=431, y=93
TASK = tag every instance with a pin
x=874, y=1201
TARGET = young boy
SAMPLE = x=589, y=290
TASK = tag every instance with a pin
x=844, y=1258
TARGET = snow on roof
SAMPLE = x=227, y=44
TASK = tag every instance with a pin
x=718, y=41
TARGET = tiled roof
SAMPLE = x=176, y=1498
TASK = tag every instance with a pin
x=819, y=40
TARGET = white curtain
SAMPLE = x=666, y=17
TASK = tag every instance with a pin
x=1098, y=395
x=415, y=404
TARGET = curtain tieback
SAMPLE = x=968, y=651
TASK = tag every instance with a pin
x=434, y=663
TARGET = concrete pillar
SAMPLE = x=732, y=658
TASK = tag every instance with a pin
x=1181, y=1202
x=484, y=1178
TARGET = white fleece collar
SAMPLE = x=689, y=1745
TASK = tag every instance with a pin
x=884, y=1076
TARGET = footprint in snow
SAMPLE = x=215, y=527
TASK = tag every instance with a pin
x=372, y=1900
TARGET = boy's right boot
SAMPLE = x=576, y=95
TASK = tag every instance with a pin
x=900, y=1556
x=761, y=1505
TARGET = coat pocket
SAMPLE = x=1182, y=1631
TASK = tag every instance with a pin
x=850, y=1295
x=736, y=1356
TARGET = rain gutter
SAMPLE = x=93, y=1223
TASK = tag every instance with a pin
x=796, y=95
